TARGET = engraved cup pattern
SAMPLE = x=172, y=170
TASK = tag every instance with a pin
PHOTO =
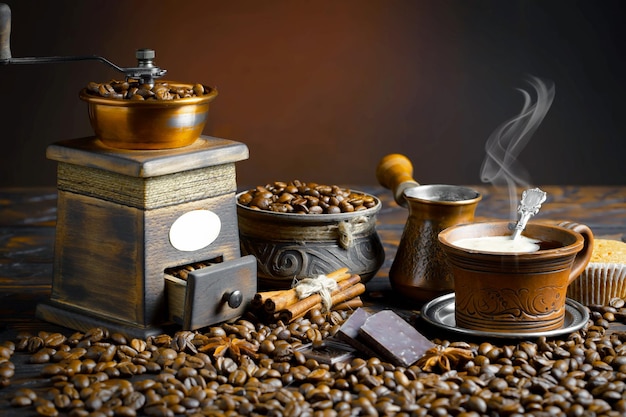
x=516, y=307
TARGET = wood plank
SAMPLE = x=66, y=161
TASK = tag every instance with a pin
x=28, y=207
x=18, y=304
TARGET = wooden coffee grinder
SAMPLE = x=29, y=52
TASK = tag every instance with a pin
x=128, y=219
x=147, y=233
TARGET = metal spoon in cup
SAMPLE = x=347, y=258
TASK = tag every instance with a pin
x=528, y=207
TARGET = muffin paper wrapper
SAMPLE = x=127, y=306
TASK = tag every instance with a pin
x=599, y=284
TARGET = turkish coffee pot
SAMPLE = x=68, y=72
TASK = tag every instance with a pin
x=419, y=269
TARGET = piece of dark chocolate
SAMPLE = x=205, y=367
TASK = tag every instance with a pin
x=349, y=331
x=331, y=352
x=393, y=338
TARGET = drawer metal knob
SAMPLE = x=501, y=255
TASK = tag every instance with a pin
x=234, y=298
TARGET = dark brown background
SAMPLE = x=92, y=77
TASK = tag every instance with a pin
x=321, y=90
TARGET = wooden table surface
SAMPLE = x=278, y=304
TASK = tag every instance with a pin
x=27, y=229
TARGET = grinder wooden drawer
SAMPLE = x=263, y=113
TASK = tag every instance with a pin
x=217, y=293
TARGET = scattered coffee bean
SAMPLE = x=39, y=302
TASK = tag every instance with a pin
x=105, y=374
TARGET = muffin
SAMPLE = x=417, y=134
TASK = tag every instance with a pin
x=605, y=276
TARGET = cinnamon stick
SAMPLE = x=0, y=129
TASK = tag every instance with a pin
x=281, y=301
x=273, y=301
x=348, y=293
x=260, y=298
x=346, y=290
x=289, y=297
x=351, y=304
x=338, y=273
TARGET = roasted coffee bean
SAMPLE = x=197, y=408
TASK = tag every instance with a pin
x=42, y=356
x=52, y=370
x=305, y=198
x=133, y=90
x=96, y=334
x=54, y=340
x=21, y=401
x=47, y=411
x=62, y=401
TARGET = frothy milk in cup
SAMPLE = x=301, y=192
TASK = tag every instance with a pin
x=499, y=244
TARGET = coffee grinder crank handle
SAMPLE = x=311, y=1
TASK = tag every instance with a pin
x=5, y=46
x=145, y=70
x=5, y=33
x=395, y=172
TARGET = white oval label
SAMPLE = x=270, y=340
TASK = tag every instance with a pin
x=195, y=230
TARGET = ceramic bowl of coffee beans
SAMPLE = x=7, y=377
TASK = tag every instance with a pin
x=130, y=115
x=301, y=229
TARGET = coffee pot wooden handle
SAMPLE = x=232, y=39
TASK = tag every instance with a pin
x=582, y=257
x=395, y=172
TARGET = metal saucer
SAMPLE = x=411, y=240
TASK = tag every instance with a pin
x=440, y=313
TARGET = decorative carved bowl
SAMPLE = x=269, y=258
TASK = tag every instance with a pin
x=291, y=246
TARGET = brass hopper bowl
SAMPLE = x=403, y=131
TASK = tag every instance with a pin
x=148, y=124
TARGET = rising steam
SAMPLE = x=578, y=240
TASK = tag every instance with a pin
x=501, y=167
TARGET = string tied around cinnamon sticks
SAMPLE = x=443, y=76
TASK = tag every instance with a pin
x=321, y=285
x=286, y=305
